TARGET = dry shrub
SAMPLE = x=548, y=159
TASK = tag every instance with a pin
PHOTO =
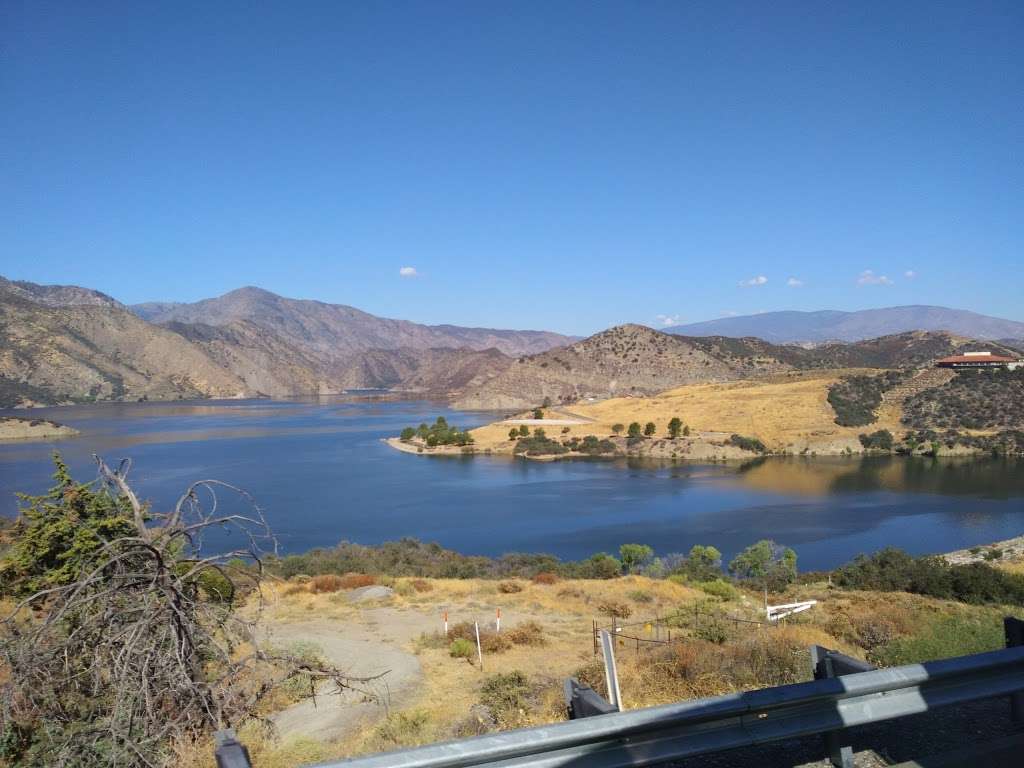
x=546, y=578
x=294, y=589
x=324, y=583
x=571, y=592
x=357, y=580
x=509, y=587
x=615, y=608
x=527, y=633
x=490, y=641
x=421, y=585
x=874, y=632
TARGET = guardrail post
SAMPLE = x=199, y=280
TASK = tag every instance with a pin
x=1013, y=629
x=824, y=666
x=228, y=751
x=583, y=701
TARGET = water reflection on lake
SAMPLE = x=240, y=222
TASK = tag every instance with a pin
x=321, y=473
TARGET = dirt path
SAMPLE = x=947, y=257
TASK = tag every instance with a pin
x=373, y=641
x=363, y=649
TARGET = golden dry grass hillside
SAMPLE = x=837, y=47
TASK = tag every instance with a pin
x=788, y=412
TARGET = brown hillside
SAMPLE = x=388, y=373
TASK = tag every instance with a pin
x=624, y=360
x=84, y=352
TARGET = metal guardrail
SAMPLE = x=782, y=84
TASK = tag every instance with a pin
x=650, y=736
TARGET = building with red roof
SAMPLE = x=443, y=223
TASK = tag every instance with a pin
x=980, y=360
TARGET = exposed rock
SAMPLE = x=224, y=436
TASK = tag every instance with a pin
x=366, y=594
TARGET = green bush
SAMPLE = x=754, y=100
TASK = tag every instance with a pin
x=892, y=569
x=539, y=445
x=942, y=639
x=855, y=398
x=508, y=696
x=718, y=588
x=747, y=443
x=877, y=441
x=461, y=648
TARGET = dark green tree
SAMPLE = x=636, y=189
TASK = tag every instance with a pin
x=407, y=434
x=634, y=556
x=675, y=426
x=617, y=428
x=649, y=429
x=59, y=534
x=538, y=413
x=766, y=563
x=513, y=433
x=634, y=429
x=524, y=431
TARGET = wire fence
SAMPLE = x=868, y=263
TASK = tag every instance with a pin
x=659, y=629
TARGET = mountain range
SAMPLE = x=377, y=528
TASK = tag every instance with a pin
x=791, y=327
x=69, y=344
x=72, y=344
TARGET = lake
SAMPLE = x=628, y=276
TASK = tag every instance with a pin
x=321, y=474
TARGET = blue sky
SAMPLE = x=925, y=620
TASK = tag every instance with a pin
x=549, y=165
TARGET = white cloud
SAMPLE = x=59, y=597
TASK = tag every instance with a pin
x=795, y=282
x=759, y=280
x=667, y=320
x=868, y=277
x=408, y=272
x=910, y=274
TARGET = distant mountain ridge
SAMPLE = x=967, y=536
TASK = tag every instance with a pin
x=790, y=327
x=337, y=330
x=67, y=344
x=71, y=344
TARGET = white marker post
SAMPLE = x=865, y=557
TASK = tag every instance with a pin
x=479, y=653
x=611, y=672
x=497, y=622
x=446, y=623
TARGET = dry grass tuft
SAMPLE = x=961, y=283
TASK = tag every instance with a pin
x=545, y=577
x=509, y=587
x=527, y=633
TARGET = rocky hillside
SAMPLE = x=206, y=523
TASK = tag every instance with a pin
x=435, y=371
x=902, y=350
x=624, y=360
x=83, y=351
x=335, y=331
x=56, y=295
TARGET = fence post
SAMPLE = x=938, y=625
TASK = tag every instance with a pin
x=822, y=669
x=593, y=632
x=479, y=652
x=1013, y=629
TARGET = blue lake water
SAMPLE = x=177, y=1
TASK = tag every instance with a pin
x=321, y=474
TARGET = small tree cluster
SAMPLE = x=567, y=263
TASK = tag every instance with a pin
x=767, y=564
x=438, y=433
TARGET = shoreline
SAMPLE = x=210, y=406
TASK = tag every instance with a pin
x=14, y=428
